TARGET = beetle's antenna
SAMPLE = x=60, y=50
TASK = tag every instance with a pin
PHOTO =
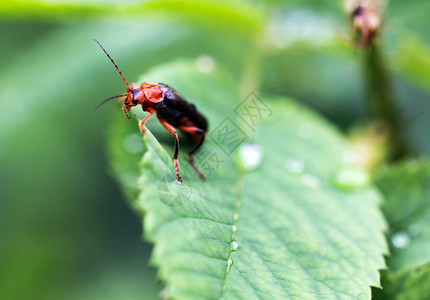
x=106, y=100
x=120, y=73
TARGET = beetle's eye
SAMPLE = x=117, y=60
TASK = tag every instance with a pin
x=134, y=101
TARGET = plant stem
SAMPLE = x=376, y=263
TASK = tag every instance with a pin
x=382, y=100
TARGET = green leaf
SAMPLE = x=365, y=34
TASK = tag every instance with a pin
x=407, y=208
x=239, y=16
x=276, y=229
x=221, y=14
x=410, y=16
x=414, y=60
x=42, y=10
x=405, y=285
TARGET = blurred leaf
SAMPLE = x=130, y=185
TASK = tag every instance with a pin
x=308, y=55
x=405, y=41
x=321, y=6
x=237, y=16
x=410, y=60
x=272, y=231
x=129, y=149
x=42, y=10
x=405, y=285
x=407, y=208
x=313, y=74
x=414, y=60
x=118, y=279
x=224, y=15
x=408, y=16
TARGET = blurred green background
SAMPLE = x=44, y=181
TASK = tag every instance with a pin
x=65, y=230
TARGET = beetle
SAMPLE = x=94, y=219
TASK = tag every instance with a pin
x=172, y=110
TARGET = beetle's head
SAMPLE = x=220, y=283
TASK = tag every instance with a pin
x=133, y=97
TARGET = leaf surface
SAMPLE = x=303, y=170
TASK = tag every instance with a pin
x=406, y=188
x=274, y=227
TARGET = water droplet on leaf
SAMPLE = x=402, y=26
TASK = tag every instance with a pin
x=229, y=264
x=251, y=155
x=401, y=240
x=295, y=165
x=234, y=245
x=351, y=178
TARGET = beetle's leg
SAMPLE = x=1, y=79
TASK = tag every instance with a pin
x=126, y=109
x=172, y=130
x=197, y=132
x=142, y=122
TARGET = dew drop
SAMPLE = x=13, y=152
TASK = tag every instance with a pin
x=305, y=131
x=351, y=178
x=205, y=63
x=132, y=143
x=251, y=155
x=234, y=227
x=229, y=264
x=235, y=216
x=401, y=240
x=295, y=165
x=310, y=181
x=234, y=245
